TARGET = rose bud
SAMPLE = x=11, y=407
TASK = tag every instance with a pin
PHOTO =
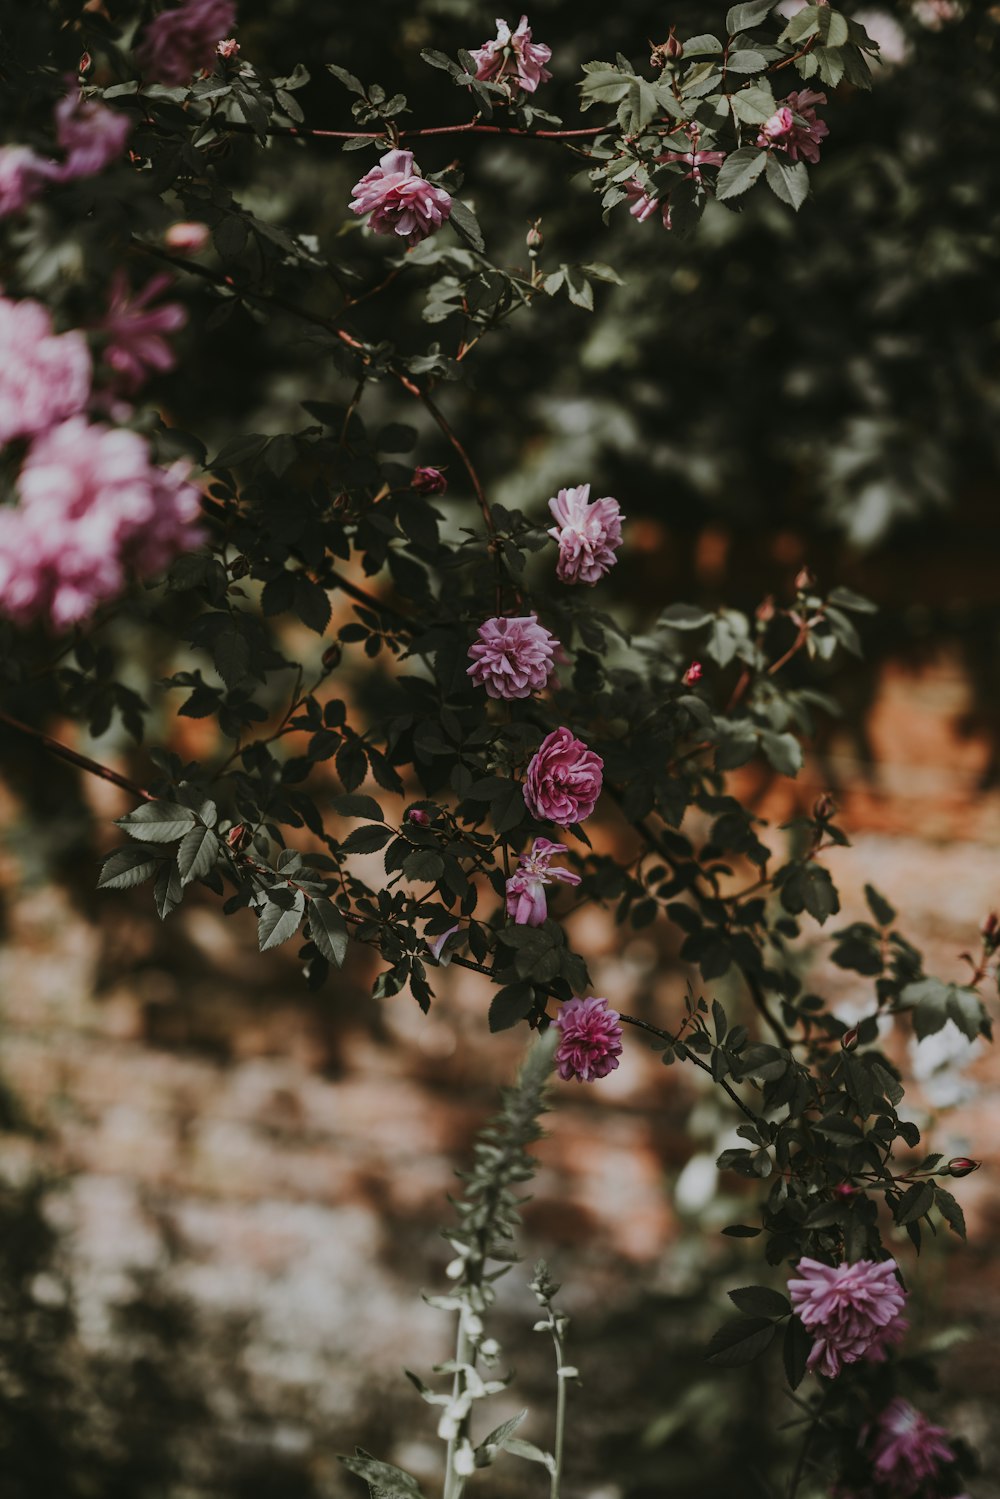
x=805, y=579
x=961, y=1165
x=694, y=673
x=238, y=837
x=419, y=816
x=765, y=610
x=533, y=239
x=844, y=1189
x=428, y=480
x=332, y=655
x=989, y=926
x=849, y=1040
x=824, y=807
x=187, y=236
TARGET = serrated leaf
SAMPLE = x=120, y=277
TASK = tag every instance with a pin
x=742, y=17
x=197, y=854
x=393, y=1482
x=354, y=805
x=788, y=180
x=127, y=867
x=950, y=1211
x=157, y=822
x=684, y=617
x=760, y=1301
x=328, y=930
x=467, y=225
x=366, y=840
x=510, y=1005
x=740, y=171
x=740, y=1342
x=168, y=892
x=276, y=923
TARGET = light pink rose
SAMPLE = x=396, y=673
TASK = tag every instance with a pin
x=795, y=126
x=399, y=200
x=564, y=780
x=182, y=41
x=23, y=175
x=590, y=1042
x=849, y=1309
x=512, y=656
x=780, y=125
x=512, y=55
x=526, y=886
x=589, y=532
x=644, y=204
x=91, y=135
x=44, y=376
x=91, y=508
x=136, y=346
x=907, y=1451
x=228, y=48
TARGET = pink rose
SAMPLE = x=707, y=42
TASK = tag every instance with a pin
x=512, y=656
x=512, y=55
x=796, y=128
x=852, y=1310
x=590, y=1040
x=644, y=204
x=136, y=346
x=23, y=175
x=187, y=236
x=44, y=376
x=91, y=135
x=399, y=200
x=181, y=42
x=588, y=532
x=526, y=886
x=564, y=780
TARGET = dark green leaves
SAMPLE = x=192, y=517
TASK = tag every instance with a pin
x=127, y=867
x=158, y=822
x=740, y=1342
x=279, y=915
x=328, y=930
x=739, y=172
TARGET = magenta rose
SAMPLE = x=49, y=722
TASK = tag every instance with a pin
x=564, y=780
x=512, y=656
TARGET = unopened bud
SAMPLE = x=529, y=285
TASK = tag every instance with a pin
x=669, y=51
x=805, y=579
x=844, y=1189
x=765, y=610
x=694, y=673
x=533, y=239
x=85, y=63
x=332, y=655
x=849, y=1040
x=990, y=925
x=427, y=480
x=238, y=837
x=824, y=807
x=417, y=815
x=187, y=236
x=961, y=1165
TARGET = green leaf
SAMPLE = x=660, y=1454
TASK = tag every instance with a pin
x=703, y=45
x=347, y=79
x=357, y=806
x=783, y=750
x=740, y=171
x=384, y=1478
x=950, y=1211
x=742, y=1231
x=328, y=930
x=510, y=1005
x=168, y=892
x=740, y=1342
x=880, y=908
x=466, y=225
x=366, y=840
x=846, y=598
x=197, y=854
x=746, y=60
x=517, y=1448
x=795, y=1351
x=788, y=180
x=279, y=920
x=742, y=17
x=127, y=867
x=157, y=822
x=915, y=1202
x=684, y=617
x=760, y=1301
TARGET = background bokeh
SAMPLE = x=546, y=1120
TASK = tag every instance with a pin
x=220, y=1194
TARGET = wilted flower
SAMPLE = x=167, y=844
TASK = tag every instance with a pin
x=588, y=532
x=644, y=205
x=795, y=126
x=188, y=236
x=590, y=1042
x=23, y=175
x=181, y=42
x=436, y=946
x=44, y=376
x=907, y=1450
x=846, y=1307
x=526, y=886
x=91, y=135
x=564, y=780
x=512, y=656
x=91, y=507
x=426, y=480
x=514, y=56
x=136, y=346
x=399, y=200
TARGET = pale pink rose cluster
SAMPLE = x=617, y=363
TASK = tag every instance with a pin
x=852, y=1310
x=795, y=126
x=90, y=135
x=589, y=532
x=526, y=887
x=44, y=376
x=399, y=200
x=514, y=57
x=183, y=40
x=91, y=507
x=512, y=656
x=590, y=1039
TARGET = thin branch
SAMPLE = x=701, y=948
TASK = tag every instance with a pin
x=471, y=127
x=73, y=757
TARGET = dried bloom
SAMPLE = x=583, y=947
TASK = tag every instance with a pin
x=564, y=780
x=590, y=1042
x=23, y=175
x=907, y=1450
x=436, y=947
x=91, y=135
x=44, y=376
x=514, y=56
x=181, y=42
x=588, y=533
x=512, y=657
x=426, y=480
x=526, y=886
x=795, y=127
x=846, y=1307
x=644, y=205
x=92, y=507
x=187, y=236
x=136, y=346
x=399, y=200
